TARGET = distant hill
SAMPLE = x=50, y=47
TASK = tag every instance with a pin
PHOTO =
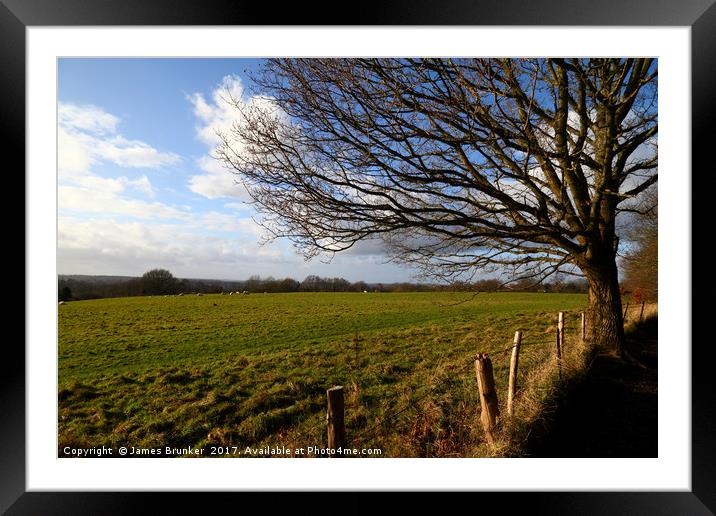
x=115, y=279
x=95, y=279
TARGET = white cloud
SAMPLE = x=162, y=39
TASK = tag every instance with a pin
x=73, y=153
x=104, y=227
x=106, y=246
x=236, y=206
x=225, y=223
x=87, y=135
x=220, y=115
x=216, y=182
x=140, y=184
x=101, y=197
x=86, y=118
x=107, y=185
x=132, y=153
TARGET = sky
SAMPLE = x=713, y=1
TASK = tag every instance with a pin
x=138, y=188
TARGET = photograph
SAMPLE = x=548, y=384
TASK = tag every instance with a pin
x=357, y=257
x=421, y=250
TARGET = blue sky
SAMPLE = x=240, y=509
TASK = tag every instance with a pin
x=137, y=188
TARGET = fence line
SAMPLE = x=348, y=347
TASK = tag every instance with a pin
x=467, y=362
x=466, y=366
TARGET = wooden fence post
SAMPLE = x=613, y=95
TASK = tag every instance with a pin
x=560, y=341
x=488, y=395
x=514, y=362
x=335, y=419
x=584, y=327
x=641, y=313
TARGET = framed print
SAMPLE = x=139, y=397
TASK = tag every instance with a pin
x=280, y=235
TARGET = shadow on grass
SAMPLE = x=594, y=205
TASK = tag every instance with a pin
x=611, y=411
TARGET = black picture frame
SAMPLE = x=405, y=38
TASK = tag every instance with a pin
x=699, y=15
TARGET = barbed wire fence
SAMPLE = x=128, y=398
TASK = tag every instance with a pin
x=531, y=348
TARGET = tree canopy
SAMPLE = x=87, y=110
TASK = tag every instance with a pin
x=159, y=282
x=458, y=165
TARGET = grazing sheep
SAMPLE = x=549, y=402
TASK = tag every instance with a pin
x=61, y=303
x=199, y=294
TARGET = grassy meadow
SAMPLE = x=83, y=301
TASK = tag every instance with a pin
x=252, y=370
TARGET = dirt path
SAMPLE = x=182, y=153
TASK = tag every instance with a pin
x=612, y=412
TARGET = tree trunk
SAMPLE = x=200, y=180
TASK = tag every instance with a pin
x=605, y=324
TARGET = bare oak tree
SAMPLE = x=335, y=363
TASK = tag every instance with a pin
x=458, y=165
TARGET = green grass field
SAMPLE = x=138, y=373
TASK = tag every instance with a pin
x=252, y=370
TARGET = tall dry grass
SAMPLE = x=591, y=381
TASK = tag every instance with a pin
x=538, y=397
x=633, y=311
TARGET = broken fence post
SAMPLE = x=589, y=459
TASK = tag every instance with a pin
x=335, y=419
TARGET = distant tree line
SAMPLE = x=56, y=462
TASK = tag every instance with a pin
x=157, y=282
